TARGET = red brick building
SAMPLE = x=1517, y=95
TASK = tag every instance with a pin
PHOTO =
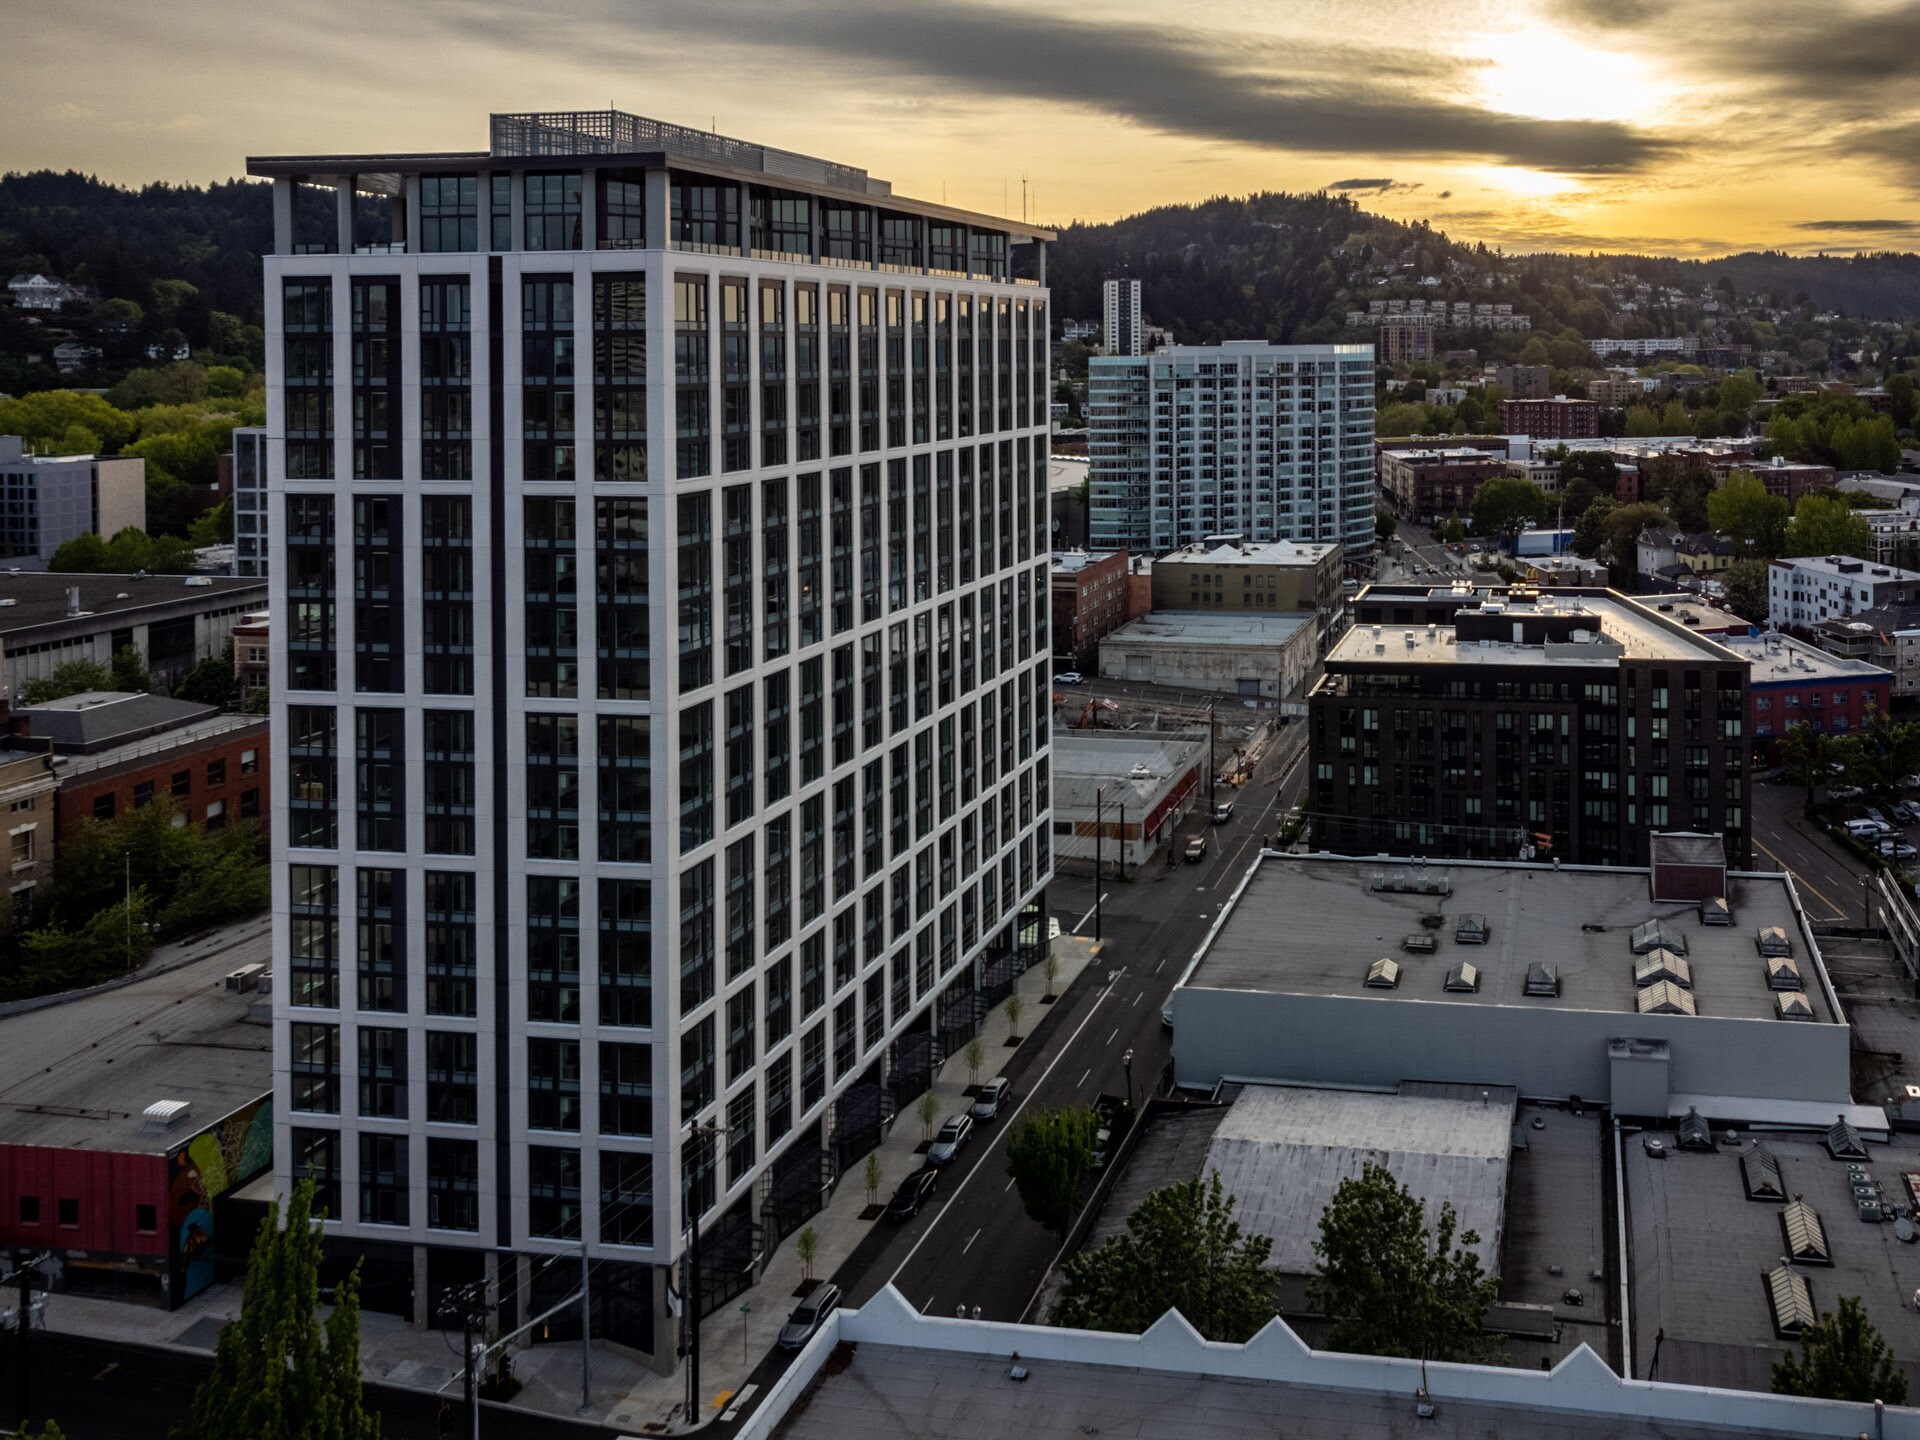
x=118, y=752
x=1090, y=601
x=1555, y=419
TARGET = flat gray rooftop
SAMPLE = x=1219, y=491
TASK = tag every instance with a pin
x=78, y=1076
x=885, y=1393
x=1617, y=630
x=1699, y=1248
x=1133, y=767
x=1178, y=629
x=30, y=599
x=1283, y=1150
x=1312, y=924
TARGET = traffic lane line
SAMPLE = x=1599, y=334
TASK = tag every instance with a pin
x=1803, y=882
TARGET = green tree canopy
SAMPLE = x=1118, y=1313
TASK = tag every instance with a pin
x=1505, y=506
x=1182, y=1250
x=1744, y=511
x=1390, y=1285
x=54, y=420
x=82, y=555
x=1803, y=754
x=1050, y=1157
x=1400, y=418
x=129, y=671
x=1596, y=467
x=1746, y=586
x=1828, y=525
x=211, y=682
x=279, y=1371
x=70, y=677
x=1842, y=1357
x=1384, y=524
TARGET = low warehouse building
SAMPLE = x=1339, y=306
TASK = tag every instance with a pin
x=1137, y=784
x=1257, y=656
x=1628, y=987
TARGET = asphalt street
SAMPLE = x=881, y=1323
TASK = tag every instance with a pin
x=1828, y=879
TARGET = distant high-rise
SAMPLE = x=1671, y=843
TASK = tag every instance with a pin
x=1267, y=442
x=251, y=527
x=1122, y=335
x=660, y=693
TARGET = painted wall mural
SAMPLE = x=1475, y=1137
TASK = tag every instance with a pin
x=213, y=1162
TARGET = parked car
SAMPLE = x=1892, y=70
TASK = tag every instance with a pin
x=946, y=1145
x=1845, y=792
x=809, y=1315
x=1223, y=812
x=988, y=1099
x=1197, y=848
x=1868, y=829
x=1904, y=812
x=1067, y=677
x=1874, y=815
x=1897, y=850
x=912, y=1194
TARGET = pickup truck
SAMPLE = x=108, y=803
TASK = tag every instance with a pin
x=1196, y=848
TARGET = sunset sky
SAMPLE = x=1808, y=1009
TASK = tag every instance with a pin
x=1690, y=129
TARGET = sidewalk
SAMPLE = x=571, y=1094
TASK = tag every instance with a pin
x=625, y=1394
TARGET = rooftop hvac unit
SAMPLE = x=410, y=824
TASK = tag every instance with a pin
x=165, y=1114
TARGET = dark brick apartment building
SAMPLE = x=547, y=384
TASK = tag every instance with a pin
x=1567, y=724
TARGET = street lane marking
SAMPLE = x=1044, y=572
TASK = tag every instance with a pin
x=970, y=1239
x=1083, y=1078
x=1111, y=1038
x=1000, y=1133
x=1082, y=923
x=1008, y=1186
x=1838, y=913
x=1161, y=966
x=732, y=1411
x=1136, y=998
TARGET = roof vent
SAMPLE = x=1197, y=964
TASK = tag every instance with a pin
x=1806, y=1237
x=1760, y=1171
x=1464, y=978
x=1772, y=940
x=1663, y=967
x=1664, y=998
x=1714, y=910
x=1695, y=1132
x=165, y=1114
x=1383, y=974
x=1470, y=929
x=1543, y=981
x=1658, y=935
x=1844, y=1142
x=1791, y=1301
x=1783, y=973
x=1418, y=944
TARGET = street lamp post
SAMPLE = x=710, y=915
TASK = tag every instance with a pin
x=1126, y=1060
x=1099, y=852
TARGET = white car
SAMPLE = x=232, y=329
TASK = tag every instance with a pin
x=1067, y=677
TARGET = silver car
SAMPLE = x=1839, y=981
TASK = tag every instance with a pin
x=809, y=1315
x=988, y=1099
x=946, y=1145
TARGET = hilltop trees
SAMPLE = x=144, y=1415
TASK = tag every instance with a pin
x=1744, y=511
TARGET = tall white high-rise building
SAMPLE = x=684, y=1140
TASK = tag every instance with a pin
x=1268, y=442
x=661, y=720
x=1120, y=308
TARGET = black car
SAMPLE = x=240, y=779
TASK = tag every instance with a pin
x=912, y=1194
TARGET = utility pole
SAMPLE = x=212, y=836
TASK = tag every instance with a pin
x=1123, y=841
x=23, y=1327
x=1099, y=863
x=586, y=1334
x=469, y=1302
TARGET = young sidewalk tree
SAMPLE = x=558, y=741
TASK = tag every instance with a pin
x=807, y=1246
x=1842, y=1357
x=279, y=1371
x=1391, y=1286
x=1183, y=1251
x=1013, y=1017
x=929, y=1111
x=976, y=1053
x=1050, y=1156
x=871, y=1174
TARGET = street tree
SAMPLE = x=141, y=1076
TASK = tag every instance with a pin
x=1184, y=1251
x=1504, y=507
x=130, y=671
x=1013, y=1017
x=1590, y=530
x=280, y=1372
x=870, y=1173
x=1828, y=525
x=1391, y=1285
x=1803, y=755
x=1052, y=969
x=1842, y=1357
x=1384, y=524
x=976, y=1053
x=1744, y=511
x=928, y=1111
x=1050, y=1157
x=806, y=1245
